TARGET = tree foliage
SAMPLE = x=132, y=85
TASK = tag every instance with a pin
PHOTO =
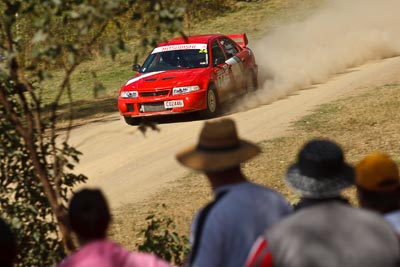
x=36, y=161
x=22, y=199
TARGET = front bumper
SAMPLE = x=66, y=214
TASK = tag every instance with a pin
x=151, y=106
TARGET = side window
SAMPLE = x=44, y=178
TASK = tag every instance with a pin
x=229, y=47
x=150, y=63
x=217, y=54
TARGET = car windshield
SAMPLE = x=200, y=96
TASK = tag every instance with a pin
x=175, y=57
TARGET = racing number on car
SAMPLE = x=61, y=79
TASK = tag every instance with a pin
x=223, y=78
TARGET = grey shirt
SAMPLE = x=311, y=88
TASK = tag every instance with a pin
x=332, y=235
x=235, y=221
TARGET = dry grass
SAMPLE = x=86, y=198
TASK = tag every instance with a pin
x=257, y=17
x=360, y=123
x=188, y=194
x=363, y=122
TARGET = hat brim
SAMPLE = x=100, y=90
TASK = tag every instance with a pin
x=202, y=160
x=321, y=187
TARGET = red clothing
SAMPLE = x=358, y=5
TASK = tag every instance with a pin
x=260, y=255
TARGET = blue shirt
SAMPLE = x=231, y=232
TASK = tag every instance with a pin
x=393, y=218
x=234, y=222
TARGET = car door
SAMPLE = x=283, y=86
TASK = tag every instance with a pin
x=221, y=71
x=234, y=60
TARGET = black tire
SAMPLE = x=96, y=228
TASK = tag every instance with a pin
x=133, y=121
x=251, y=82
x=212, y=108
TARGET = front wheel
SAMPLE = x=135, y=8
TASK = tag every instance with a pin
x=133, y=121
x=212, y=108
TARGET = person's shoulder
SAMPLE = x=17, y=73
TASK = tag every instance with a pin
x=393, y=218
x=146, y=260
x=261, y=190
x=327, y=217
x=339, y=214
x=363, y=215
x=395, y=215
x=259, y=187
x=331, y=208
x=260, y=195
x=100, y=253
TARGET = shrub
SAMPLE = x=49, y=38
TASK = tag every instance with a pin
x=161, y=239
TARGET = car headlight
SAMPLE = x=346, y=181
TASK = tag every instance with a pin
x=129, y=94
x=184, y=89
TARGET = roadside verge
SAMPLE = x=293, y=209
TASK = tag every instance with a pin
x=362, y=121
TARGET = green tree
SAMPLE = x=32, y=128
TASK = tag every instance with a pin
x=36, y=161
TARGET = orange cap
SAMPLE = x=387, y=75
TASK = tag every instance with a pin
x=377, y=172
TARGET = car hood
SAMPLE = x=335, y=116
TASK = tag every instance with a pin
x=164, y=79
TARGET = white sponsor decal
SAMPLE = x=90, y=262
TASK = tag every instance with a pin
x=142, y=76
x=179, y=47
x=233, y=60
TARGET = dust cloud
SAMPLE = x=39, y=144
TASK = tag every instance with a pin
x=339, y=35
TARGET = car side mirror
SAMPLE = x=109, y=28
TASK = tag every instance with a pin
x=136, y=67
x=219, y=61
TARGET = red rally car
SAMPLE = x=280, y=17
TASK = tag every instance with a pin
x=196, y=73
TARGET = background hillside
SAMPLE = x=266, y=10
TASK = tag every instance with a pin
x=96, y=84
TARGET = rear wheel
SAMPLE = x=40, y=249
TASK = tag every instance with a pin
x=132, y=120
x=251, y=82
x=212, y=108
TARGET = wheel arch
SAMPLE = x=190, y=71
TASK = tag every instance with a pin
x=211, y=84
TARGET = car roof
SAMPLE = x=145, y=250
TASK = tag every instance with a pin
x=202, y=39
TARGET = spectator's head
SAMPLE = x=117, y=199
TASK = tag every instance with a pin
x=89, y=214
x=219, y=148
x=8, y=247
x=378, y=183
x=320, y=171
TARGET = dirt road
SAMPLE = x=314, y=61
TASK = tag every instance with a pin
x=129, y=167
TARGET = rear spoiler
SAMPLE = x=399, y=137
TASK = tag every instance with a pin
x=240, y=39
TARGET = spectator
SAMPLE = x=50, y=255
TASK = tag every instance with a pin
x=327, y=233
x=223, y=231
x=320, y=174
x=378, y=187
x=89, y=217
x=8, y=247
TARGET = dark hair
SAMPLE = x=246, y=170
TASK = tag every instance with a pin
x=89, y=214
x=8, y=247
x=382, y=202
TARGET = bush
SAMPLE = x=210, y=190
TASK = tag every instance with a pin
x=23, y=203
x=161, y=239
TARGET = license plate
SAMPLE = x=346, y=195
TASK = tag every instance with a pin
x=173, y=104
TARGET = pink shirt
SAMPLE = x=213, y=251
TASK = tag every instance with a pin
x=105, y=253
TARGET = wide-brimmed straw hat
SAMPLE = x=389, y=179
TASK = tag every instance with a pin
x=218, y=148
x=320, y=171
